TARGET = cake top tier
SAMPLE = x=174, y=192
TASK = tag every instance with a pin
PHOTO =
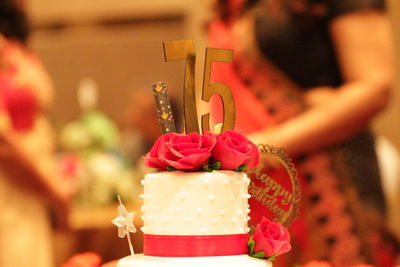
x=195, y=203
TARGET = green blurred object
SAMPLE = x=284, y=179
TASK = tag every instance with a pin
x=102, y=129
x=93, y=130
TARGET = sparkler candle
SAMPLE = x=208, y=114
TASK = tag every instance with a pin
x=163, y=106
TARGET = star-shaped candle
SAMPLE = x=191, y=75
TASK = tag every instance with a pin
x=124, y=222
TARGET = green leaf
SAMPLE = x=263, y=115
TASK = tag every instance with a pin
x=272, y=258
x=216, y=165
x=206, y=167
x=251, y=245
x=170, y=168
x=241, y=168
x=259, y=255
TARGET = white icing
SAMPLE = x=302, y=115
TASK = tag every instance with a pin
x=215, y=203
x=231, y=261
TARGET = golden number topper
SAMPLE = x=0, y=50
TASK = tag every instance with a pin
x=184, y=49
x=271, y=192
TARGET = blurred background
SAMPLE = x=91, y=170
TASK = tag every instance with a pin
x=103, y=57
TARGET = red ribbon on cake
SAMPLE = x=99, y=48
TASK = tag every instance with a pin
x=194, y=245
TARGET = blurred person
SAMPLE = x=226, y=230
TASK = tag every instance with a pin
x=29, y=180
x=309, y=76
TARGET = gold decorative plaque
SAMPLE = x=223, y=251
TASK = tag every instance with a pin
x=274, y=187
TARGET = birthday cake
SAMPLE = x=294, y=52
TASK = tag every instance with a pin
x=196, y=207
x=199, y=215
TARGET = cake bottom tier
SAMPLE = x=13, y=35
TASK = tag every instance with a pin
x=231, y=261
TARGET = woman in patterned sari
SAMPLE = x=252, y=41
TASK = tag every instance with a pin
x=308, y=76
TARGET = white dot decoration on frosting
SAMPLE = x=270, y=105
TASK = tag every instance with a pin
x=211, y=197
x=222, y=212
x=199, y=211
x=150, y=217
x=188, y=219
x=158, y=230
x=143, y=217
x=177, y=209
x=226, y=230
x=241, y=229
x=144, y=196
x=143, y=208
x=238, y=182
x=226, y=181
x=143, y=229
x=240, y=212
x=247, y=229
x=233, y=219
x=144, y=181
x=248, y=210
x=215, y=220
x=203, y=230
x=248, y=218
x=246, y=196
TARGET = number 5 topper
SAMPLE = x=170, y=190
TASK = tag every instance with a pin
x=184, y=49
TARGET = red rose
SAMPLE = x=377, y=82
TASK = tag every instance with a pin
x=271, y=238
x=86, y=259
x=233, y=150
x=180, y=151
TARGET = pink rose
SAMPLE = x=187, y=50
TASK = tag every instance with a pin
x=271, y=238
x=180, y=151
x=233, y=150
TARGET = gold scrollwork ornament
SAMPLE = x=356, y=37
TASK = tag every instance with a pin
x=272, y=191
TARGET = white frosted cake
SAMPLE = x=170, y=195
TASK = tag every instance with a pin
x=195, y=219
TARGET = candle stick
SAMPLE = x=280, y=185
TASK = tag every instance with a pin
x=163, y=106
x=124, y=222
